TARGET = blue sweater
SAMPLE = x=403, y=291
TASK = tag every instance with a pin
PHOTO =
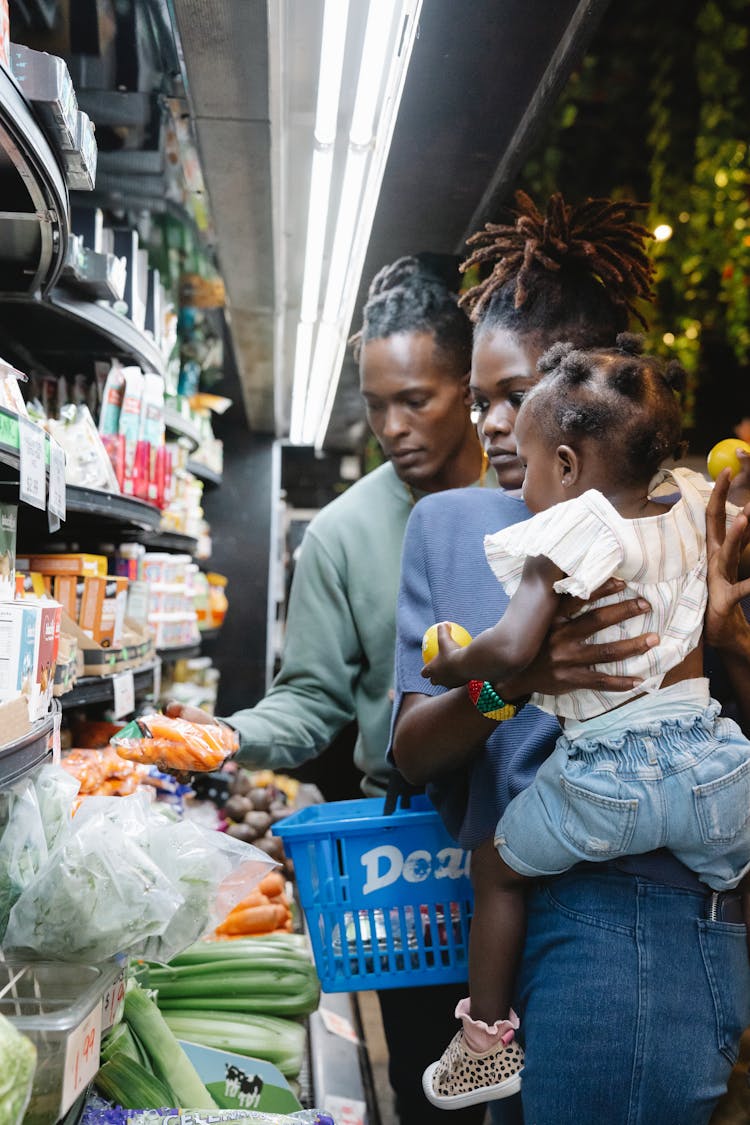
x=445, y=577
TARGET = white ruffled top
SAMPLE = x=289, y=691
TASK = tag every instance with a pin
x=661, y=557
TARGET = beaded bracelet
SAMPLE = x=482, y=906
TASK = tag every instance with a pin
x=492, y=706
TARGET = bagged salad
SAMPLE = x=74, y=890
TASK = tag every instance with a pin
x=125, y=876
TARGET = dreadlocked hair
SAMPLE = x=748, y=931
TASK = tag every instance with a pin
x=574, y=272
x=418, y=294
x=615, y=395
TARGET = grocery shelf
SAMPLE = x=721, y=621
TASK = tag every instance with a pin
x=179, y=652
x=100, y=689
x=26, y=752
x=170, y=541
x=10, y=441
x=209, y=635
x=202, y=472
x=113, y=507
x=182, y=427
x=93, y=518
x=339, y=1066
x=63, y=325
x=34, y=223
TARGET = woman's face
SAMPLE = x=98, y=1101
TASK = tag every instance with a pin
x=503, y=369
x=417, y=407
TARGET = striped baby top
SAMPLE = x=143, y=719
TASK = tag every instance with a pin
x=661, y=557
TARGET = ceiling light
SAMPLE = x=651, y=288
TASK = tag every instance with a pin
x=340, y=221
x=329, y=75
x=662, y=232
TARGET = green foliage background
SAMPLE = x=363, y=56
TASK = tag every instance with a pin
x=659, y=110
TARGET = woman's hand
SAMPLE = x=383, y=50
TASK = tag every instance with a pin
x=725, y=625
x=739, y=487
x=566, y=661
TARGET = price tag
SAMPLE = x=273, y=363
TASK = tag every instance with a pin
x=33, y=481
x=157, y=681
x=345, y=1111
x=338, y=1025
x=124, y=692
x=112, y=1000
x=81, y=1057
x=56, y=500
x=56, y=724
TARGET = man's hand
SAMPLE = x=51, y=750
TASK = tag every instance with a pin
x=725, y=622
x=192, y=714
x=566, y=660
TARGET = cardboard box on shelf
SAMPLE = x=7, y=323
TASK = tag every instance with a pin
x=14, y=719
x=135, y=649
x=72, y=563
x=29, y=641
x=101, y=609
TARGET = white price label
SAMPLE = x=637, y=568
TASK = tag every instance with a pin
x=124, y=693
x=56, y=749
x=157, y=681
x=345, y=1111
x=56, y=501
x=338, y=1025
x=81, y=1057
x=33, y=479
x=112, y=1000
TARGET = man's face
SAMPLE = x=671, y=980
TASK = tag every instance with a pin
x=417, y=406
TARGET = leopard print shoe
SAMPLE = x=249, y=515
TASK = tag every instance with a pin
x=462, y=1078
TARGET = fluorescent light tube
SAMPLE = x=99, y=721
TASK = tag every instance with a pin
x=320, y=377
x=378, y=34
x=346, y=222
x=317, y=215
x=333, y=39
x=302, y=354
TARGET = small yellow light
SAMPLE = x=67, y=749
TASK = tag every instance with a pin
x=691, y=332
x=668, y=338
x=663, y=232
x=721, y=179
x=684, y=216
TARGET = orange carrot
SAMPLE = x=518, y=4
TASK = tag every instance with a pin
x=273, y=884
x=250, y=921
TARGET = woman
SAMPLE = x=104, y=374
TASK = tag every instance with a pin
x=617, y=955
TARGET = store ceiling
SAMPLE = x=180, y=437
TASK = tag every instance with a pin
x=482, y=76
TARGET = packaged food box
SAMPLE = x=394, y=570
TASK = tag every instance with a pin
x=64, y=1009
x=45, y=80
x=8, y=514
x=101, y=608
x=76, y=563
x=31, y=637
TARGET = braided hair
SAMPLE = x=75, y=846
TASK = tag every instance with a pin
x=572, y=273
x=418, y=293
x=614, y=395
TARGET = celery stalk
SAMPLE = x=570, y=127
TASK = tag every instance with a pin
x=125, y=1082
x=278, y=1041
x=169, y=1061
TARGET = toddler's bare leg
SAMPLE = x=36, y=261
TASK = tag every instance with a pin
x=498, y=929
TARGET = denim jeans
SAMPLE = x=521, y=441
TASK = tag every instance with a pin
x=632, y=1002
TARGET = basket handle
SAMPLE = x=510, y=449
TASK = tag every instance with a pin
x=399, y=789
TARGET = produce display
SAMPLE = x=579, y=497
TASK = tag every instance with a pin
x=17, y=1066
x=259, y=799
x=176, y=744
x=144, y=1065
x=103, y=773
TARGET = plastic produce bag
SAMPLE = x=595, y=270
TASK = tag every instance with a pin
x=128, y=878
x=209, y=868
x=86, y=460
x=219, y=1117
x=56, y=792
x=176, y=744
x=23, y=844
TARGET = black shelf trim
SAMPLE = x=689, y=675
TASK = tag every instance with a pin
x=202, y=472
x=99, y=689
x=181, y=427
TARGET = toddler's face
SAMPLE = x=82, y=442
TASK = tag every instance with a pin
x=542, y=482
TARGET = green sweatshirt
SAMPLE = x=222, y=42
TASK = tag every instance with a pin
x=340, y=637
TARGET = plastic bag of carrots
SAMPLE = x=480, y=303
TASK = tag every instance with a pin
x=176, y=745
x=266, y=910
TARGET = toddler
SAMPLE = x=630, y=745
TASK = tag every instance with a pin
x=633, y=771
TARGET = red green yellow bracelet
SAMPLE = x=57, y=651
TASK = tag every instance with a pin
x=492, y=706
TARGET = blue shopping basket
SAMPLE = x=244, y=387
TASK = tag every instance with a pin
x=387, y=898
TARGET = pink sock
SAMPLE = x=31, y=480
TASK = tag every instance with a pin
x=479, y=1036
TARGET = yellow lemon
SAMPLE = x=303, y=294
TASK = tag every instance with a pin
x=724, y=456
x=430, y=639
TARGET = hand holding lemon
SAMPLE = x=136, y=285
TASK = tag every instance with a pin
x=724, y=456
x=430, y=644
